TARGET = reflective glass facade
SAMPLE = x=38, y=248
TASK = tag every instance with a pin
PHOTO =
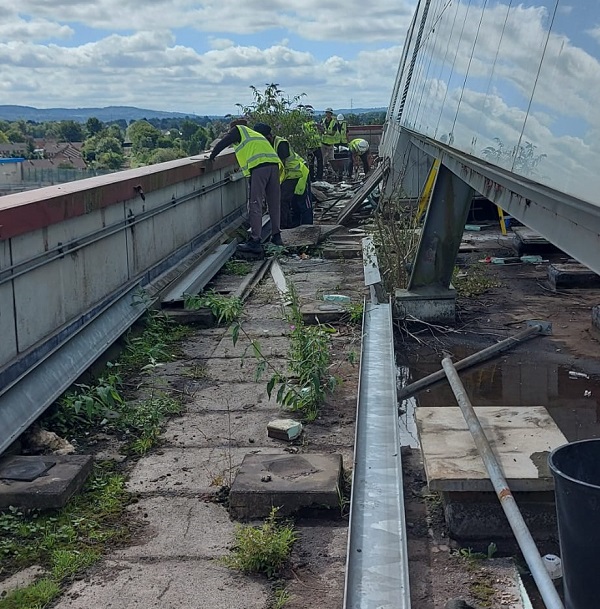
x=514, y=83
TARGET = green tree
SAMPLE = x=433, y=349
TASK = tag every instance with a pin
x=70, y=131
x=162, y=155
x=109, y=160
x=3, y=138
x=143, y=136
x=93, y=126
x=283, y=113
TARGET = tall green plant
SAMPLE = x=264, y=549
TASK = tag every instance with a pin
x=284, y=114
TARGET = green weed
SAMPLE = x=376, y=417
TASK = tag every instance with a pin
x=225, y=308
x=472, y=281
x=263, y=549
x=281, y=597
x=35, y=596
x=355, y=312
x=65, y=541
x=237, y=267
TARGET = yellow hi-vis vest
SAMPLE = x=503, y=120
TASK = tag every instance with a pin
x=343, y=133
x=294, y=167
x=330, y=136
x=254, y=149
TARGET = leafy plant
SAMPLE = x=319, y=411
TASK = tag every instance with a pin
x=473, y=281
x=355, y=312
x=237, y=267
x=263, y=549
x=284, y=114
x=281, y=597
x=35, y=596
x=225, y=308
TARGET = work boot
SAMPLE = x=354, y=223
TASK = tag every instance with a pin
x=276, y=239
x=252, y=246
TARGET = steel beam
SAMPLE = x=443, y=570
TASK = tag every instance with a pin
x=442, y=232
x=377, y=562
x=573, y=225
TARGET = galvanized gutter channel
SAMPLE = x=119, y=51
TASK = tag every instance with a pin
x=377, y=559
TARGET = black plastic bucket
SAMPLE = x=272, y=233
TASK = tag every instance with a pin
x=576, y=471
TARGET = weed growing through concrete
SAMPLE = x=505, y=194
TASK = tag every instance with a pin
x=64, y=542
x=355, y=312
x=237, y=267
x=281, y=597
x=303, y=387
x=263, y=549
x=226, y=309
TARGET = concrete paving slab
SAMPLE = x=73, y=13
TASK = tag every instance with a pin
x=240, y=428
x=574, y=275
x=322, y=312
x=198, y=471
x=318, y=542
x=179, y=527
x=51, y=490
x=290, y=482
x=271, y=346
x=239, y=370
x=308, y=235
x=201, y=345
x=233, y=396
x=521, y=438
x=174, y=584
x=258, y=328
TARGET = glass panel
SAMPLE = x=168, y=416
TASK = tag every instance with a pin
x=560, y=144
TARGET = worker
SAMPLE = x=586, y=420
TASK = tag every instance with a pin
x=359, y=148
x=260, y=163
x=296, y=207
x=342, y=129
x=312, y=132
x=329, y=137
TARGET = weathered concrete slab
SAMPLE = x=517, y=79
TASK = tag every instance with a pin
x=322, y=312
x=290, y=482
x=197, y=529
x=200, y=471
x=231, y=396
x=596, y=318
x=521, y=438
x=527, y=241
x=275, y=346
x=431, y=306
x=166, y=585
x=342, y=250
x=308, y=235
x=66, y=475
x=236, y=428
x=572, y=275
x=479, y=515
x=239, y=370
x=202, y=345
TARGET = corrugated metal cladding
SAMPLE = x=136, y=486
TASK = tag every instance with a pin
x=513, y=83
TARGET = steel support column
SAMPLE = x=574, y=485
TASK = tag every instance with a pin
x=442, y=232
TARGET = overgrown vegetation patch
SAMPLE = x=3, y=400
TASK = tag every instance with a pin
x=64, y=542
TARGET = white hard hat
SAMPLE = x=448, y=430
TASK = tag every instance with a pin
x=340, y=117
x=363, y=146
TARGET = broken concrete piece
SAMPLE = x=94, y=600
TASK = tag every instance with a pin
x=284, y=429
x=43, y=440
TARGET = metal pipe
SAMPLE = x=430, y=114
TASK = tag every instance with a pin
x=471, y=360
x=507, y=501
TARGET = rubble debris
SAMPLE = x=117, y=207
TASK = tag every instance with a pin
x=284, y=429
x=41, y=440
x=578, y=375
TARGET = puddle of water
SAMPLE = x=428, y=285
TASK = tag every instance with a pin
x=512, y=380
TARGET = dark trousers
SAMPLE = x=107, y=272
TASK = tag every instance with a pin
x=302, y=210
x=264, y=185
x=365, y=163
x=287, y=200
x=315, y=164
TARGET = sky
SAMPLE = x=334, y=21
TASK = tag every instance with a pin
x=199, y=57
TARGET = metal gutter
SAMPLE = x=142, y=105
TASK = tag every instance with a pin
x=377, y=559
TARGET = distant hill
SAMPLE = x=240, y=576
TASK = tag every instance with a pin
x=113, y=113
x=110, y=113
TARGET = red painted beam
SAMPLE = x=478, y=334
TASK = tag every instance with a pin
x=24, y=212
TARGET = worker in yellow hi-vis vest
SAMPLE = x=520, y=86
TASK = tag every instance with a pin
x=260, y=163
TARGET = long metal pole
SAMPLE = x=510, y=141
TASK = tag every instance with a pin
x=507, y=501
x=471, y=360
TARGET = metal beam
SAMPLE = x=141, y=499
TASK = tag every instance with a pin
x=23, y=402
x=377, y=561
x=442, y=232
x=569, y=223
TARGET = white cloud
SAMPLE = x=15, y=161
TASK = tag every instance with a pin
x=146, y=54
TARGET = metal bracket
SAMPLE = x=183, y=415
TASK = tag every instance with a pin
x=546, y=326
